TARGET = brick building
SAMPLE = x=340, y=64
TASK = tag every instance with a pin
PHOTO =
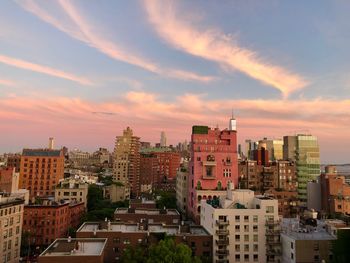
x=122, y=235
x=213, y=165
x=74, y=250
x=135, y=215
x=41, y=170
x=8, y=179
x=335, y=193
x=50, y=220
x=149, y=173
x=14, y=160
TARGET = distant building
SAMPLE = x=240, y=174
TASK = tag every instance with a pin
x=116, y=192
x=41, y=170
x=163, y=139
x=49, y=220
x=149, y=172
x=213, y=166
x=308, y=241
x=273, y=147
x=245, y=227
x=11, y=218
x=122, y=235
x=126, y=163
x=142, y=203
x=74, y=250
x=335, y=193
x=72, y=190
x=14, y=160
x=9, y=179
x=289, y=148
x=182, y=188
x=152, y=215
x=314, y=195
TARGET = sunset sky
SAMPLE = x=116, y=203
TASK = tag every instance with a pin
x=83, y=70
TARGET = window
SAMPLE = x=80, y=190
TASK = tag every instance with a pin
x=246, y=228
x=237, y=228
x=255, y=247
x=238, y=257
x=246, y=257
x=291, y=255
x=291, y=245
x=246, y=248
x=237, y=248
x=255, y=238
x=246, y=238
x=255, y=228
x=246, y=218
x=237, y=237
x=269, y=209
x=255, y=257
x=237, y=218
x=255, y=219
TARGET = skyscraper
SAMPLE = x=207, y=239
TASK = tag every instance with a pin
x=274, y=148
x=126, y=165
x=162, y=139
x=213, y=166
x=307, y=162
x=304, y=150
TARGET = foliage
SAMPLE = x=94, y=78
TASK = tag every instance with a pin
x=166, y=251
x=99, y=208
x=167, y=199
x=25, y=243
x=341, y=252
x=72, y=232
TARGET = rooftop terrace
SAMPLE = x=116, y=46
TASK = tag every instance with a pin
x=75, y=247
x=145, y=211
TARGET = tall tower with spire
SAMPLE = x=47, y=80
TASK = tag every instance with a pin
x=233, y=123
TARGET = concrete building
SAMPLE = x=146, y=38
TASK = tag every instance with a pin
x=116, y=192
x=122, y=235
x=126, y=163
x=74, y=250
x=41, y=170
x=49, y=220
x=9, y=179
x=72, y=190
x=213, y=166
x=314, y=196
x=182, y=188
x=137, y=215
x=11, y=218
x=289, y=148
x=245, y=227
x=307, y=241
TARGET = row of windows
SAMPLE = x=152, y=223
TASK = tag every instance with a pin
x=9, y=232
x=10, y=210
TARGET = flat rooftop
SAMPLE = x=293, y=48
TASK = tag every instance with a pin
x=145, y=211
x=41, y=152
x=75, y=247
x=134, y=228
x=292, y=229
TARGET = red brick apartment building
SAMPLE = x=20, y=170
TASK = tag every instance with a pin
x=50, y=220
x=41, y=170
x=135, y=215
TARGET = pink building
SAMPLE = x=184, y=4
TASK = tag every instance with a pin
x=213, y=165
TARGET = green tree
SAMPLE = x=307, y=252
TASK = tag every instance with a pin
x=134, y=255
x=341, y=251
x=167, y=200
x=94, y=197
x=167, y=251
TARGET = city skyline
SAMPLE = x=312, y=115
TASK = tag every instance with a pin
x=82, y=72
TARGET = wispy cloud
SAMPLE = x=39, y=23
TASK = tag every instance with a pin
x=18, y=63
x=80, y=28
x=7, y=82
x=216, y=46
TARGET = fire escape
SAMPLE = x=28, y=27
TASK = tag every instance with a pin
x=223, y=241
x=273, y=242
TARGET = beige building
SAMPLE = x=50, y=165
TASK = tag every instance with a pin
x=182, y=188
x=72, y=190
x=11, y=218
x=274, y=148
x=245, y=227
x=116, y=192
x=126, y=163
x=302, y=242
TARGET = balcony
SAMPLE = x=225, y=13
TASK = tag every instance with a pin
x=222, y=242
x=222, y=232
x=273, y=252
x=222, y=261
x=209, y=163
x=222, y=252
x=222, y=222
x=272, y=222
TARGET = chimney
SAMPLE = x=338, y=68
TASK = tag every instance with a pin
x=51, y=143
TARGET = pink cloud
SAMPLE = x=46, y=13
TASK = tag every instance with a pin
x=214, y=45
x=18, y=63
x=7, y=82
x=80, y=29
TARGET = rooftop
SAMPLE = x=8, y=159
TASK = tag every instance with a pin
x=292, y=228
x=151, y=228
x=75, y=247
x=145, y=211
x=41, y=152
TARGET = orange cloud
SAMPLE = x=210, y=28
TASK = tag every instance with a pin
x=18, y=63
x=6, y=82
x=81, y=30
x=214, y=45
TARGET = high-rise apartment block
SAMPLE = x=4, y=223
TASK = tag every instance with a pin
x=245, y=227
x=163, y=139
x=126, y=164
x=11, y=218
x=41, y=170
x=213, y=165
x=289, y=148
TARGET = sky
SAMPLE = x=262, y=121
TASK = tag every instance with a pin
x=81, y=71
